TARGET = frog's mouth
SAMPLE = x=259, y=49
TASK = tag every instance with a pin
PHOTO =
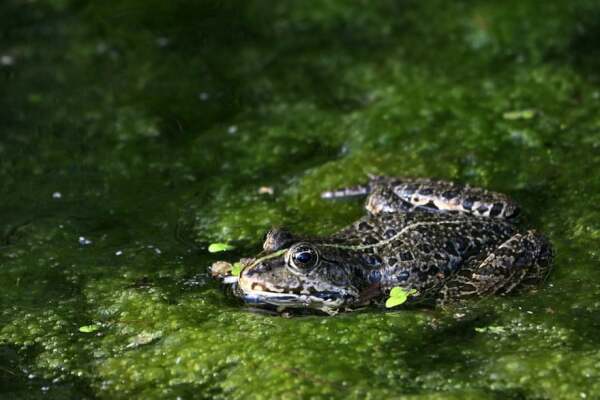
x=258, y=294
x=315, y=300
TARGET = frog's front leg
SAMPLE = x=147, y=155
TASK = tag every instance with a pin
x=522, y=260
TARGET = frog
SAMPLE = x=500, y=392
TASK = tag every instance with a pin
x=440, y=241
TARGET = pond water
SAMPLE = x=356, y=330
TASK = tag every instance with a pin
x=134, y=134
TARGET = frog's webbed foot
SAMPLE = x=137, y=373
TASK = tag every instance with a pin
x=523, y=260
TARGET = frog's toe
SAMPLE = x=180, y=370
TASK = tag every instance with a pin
x=346, y=193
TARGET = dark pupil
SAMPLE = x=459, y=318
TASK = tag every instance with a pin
x=303, y=257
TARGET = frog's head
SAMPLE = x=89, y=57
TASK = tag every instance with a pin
x=302, y=273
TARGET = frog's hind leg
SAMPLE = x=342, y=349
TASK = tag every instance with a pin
x=523, y=260
x=444, y=196
x=405, y=195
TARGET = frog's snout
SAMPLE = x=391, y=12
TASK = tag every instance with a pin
x=261, y=277
x=255, y=270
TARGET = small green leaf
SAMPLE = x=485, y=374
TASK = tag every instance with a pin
x=88, y=328
x=394, y=301
x=522, y=114
x=398, y=291
x=236, y=269
x=217, y=247
x=398, y=296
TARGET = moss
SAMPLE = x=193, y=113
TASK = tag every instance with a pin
x=157, y=123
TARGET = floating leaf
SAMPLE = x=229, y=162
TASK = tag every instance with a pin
x=522, y=114
x=89, y=328
x=491, y=329
x=398, y=296
x=394, y=301
x=236, y=270
x=217, y=247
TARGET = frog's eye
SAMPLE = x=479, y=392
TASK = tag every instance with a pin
x=303, y=257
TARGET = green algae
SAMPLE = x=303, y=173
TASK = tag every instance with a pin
x=157, y=124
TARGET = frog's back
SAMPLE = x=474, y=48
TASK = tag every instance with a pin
x=421, y=249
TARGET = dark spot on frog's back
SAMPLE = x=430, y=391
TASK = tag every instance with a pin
x=468, y=203
x=389, y=233
x=449, y=194
x=405, y=190
x=496, y=209
x=451, y=248
x=369, y=240
x=325, y=295
x=386, y=217
x=403, y=276
x=374, y=276
x=511, y=211
x=482, y=209
x=425, y=247
x=431, y=205
x=363, y=226
x=372, y=260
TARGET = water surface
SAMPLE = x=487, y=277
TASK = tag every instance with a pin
x=132, y=135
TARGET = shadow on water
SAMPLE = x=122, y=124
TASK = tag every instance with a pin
x=584, y=49
x=443, y=347
x=274, y=56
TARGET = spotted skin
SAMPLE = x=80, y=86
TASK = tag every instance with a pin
x=397, y=194
x=447, y=241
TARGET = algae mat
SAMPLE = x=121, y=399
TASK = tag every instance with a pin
x=133, y=134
